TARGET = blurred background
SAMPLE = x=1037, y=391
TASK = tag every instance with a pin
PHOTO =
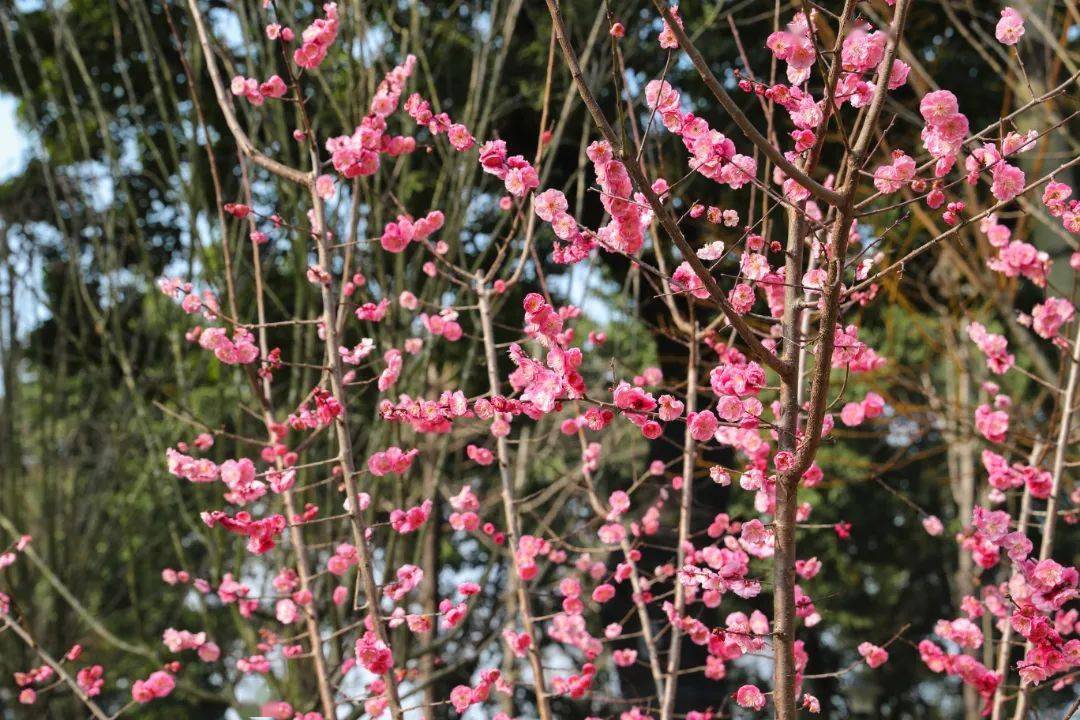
x=111, y=144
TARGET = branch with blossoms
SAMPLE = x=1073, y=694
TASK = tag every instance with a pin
x=421, y=354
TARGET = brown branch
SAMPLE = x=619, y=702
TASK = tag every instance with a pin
x=662, y=212
x=509, y=511
x=225, y=103
x=48, y=659
x=686, y=499
x=831, y=197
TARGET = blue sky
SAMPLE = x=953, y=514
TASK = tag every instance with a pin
x=13, y=145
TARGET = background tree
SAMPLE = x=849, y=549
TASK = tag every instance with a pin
x=131, y=163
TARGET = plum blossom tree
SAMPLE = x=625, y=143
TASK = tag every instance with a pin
x=770, y=322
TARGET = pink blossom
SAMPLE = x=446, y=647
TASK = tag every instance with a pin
x=274, y=87
x=91, y=680
x=1008, y=181
x=262, y=534
x=461, y=697
x=890, y=178
x=1054, y=197
x=392, y=460
x=1010, y=28
x=1048, y=317
x=994, y=346
x=373, y=654
x=317, y=39
x=937, y=106
x=408, y=579
x=619, y=502
x=668, y=41
x=875, y=656
x=684, y=279
x=852, y=414
x=519, y=642
x=410, y=520
x=863, y=51
x=961, y=631
x=157, y=686
x=603, y=593
x=991, y=424
x=702, y=425
x=670, y=408
x=629, y=398
x=479, y=455
x=749, y=696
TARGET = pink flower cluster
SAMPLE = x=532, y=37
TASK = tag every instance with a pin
x=749, y=696
x=993, y=422
x=326, y=409
x=392, y=460
x=1016, y=258
x=967, y=668
x=445, y=324
x=855, y=413
x=795, y=47
x=542, y=385
x=1010, y=28
x=577, y=685
x=239, y=350
x=961, y=631
x=420, y=111
x=34, y=676
x=946, y=128
x=550, y=206
x=863, y=49
x=397, y=235
x=392, y=372
x=462, y=697
x=716, y=570
x=851, y=353
x=529, y=548
x=256, y=92
x=409, y=578
x=180, y=640
x=686, y=280
x=1036, y=590
x=262, y=534
x=373, y=654
x=624, y=233
x=873, y=655
x=711, y=153
x=160, y=684
x=667, y=38
x=517, y=173
x=412, y=519
x=434, y=416
x=1047, y=318
x=358, y=154
x=1055, y=197
x=239, y=478
x=1003, y=476
x=91, y=680
x=857, y=91
x=317, y=39
x=373, y=312
x=890, y=178
x=994, y=346
x=189, y=468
